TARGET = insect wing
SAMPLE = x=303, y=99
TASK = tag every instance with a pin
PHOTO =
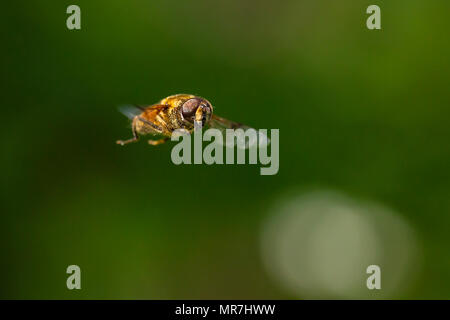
x=245, y=138
x=130, y=111
x=223, y=124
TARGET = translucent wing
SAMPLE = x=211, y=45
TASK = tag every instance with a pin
x=248, y=139
x=131, y=111
x=223, y=124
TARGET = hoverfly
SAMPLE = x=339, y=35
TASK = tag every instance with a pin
x=180, y=111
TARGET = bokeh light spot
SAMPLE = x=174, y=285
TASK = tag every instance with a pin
x=319, y=245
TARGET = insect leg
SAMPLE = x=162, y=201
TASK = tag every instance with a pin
x=151, y=124
x=135, y=136
x=157, y=142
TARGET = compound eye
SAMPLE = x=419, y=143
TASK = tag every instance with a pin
x=190, y=107
x=207, y=109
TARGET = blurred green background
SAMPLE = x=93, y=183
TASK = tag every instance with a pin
x=359, y=111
